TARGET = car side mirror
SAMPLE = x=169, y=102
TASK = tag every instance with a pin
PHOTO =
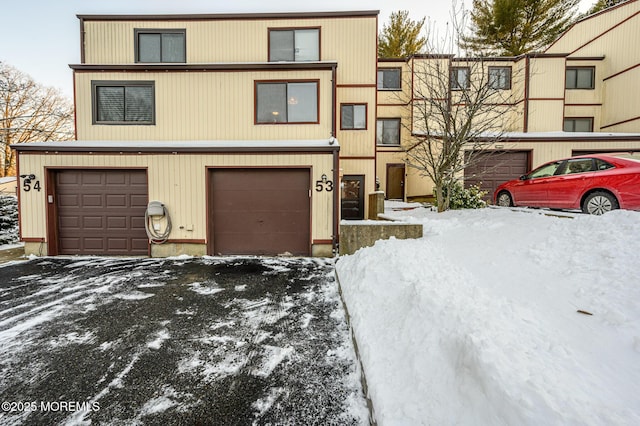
x=523, y=177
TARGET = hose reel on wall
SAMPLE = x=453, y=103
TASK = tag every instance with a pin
x=156, y=217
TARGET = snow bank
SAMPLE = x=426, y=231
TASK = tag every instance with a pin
x=478, y=322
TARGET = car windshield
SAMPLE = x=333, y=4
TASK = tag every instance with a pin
x=544, y=171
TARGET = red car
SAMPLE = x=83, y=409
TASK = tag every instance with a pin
x=595, y=184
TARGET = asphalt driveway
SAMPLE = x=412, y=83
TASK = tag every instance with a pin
x=175, y=341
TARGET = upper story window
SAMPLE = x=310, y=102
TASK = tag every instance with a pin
x=389, y=79
x=584, y=124
x=460, y=78
x=123, y=102
x=153, y=45
x=580, y=78
x=353, y=116
x=500, y=78
x=294, y=45
x=287, y=102
x=388, y=131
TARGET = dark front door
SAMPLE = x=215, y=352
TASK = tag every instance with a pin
x=395, y=181
x=352, y=190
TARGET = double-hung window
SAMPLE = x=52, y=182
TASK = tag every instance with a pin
x=460, y=78
x=123, y=102
x=388, y=131
x=353, y=116
x=389, y=79
x=294, y=45
x=287, y=102
x=156, y=46
x=580, y=78
x=500, y=78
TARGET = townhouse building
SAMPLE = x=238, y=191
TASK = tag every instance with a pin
x=579, y=96
x=243, y=127
x=256, y=134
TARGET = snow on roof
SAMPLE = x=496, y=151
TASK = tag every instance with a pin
x=329, y=144
x=7, y=179
x=550, y=135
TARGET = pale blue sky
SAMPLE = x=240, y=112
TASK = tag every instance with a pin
x=41, y=37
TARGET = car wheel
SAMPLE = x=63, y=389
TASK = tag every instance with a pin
x=599, y=203
x=504, y=199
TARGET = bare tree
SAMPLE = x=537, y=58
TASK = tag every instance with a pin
x=29, y=112
x=458, y=108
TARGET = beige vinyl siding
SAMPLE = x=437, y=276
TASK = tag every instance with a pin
x=357, y=142
x=348, y=40
x=591, y=27
x=203, y=106
x=179, y=181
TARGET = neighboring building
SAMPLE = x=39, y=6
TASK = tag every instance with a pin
x=258, y=133
x=8, y=185
x=579, y=96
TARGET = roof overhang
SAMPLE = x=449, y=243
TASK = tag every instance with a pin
x=218, y=146
x=231, y=66
x=233, y=16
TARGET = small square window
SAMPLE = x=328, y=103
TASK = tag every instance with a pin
x=578, y=124
x=500, y=78
x=388, y=131
x=158, y=46
x=460, y=78
x=580, y=78
x=389, y=79
x=353, y=117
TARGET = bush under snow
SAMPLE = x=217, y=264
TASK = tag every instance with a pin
x=8, y=219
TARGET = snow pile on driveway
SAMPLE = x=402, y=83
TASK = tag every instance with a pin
x=500, y=317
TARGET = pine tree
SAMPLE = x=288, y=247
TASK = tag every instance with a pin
x=603, y=4
x=401, y=38
x=514, y=27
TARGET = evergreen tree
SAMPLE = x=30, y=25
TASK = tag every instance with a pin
x=514, y=27
x=401, y=38
x=603, y=4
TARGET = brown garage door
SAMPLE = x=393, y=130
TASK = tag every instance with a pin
x=492, y=168
x=259, y=211
x=101, y=212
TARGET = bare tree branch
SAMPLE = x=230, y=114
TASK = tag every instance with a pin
x=29, y=112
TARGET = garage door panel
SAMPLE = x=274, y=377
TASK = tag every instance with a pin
x=96, y=214
x=492, y=168
x=260, y=211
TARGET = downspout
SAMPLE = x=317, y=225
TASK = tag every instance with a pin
x=525, y=125
x=335, y=238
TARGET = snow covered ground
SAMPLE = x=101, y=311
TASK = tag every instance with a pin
x=480, y=321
